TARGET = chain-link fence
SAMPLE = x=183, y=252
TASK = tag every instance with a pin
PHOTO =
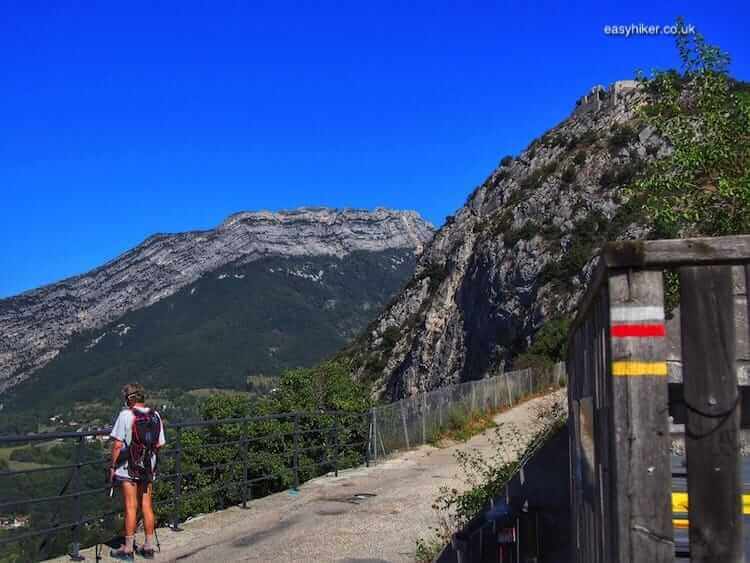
x=420, y=419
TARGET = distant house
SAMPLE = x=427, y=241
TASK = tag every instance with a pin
x=13, y=522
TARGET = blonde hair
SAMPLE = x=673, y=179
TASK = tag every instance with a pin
x=133, y=393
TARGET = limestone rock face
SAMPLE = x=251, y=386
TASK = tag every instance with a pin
x=35, y=325
x=516, y=254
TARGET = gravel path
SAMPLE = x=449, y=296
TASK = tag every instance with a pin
x=364, y=515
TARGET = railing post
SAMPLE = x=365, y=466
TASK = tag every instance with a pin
x=243, y=447
x=424, y=418
x=75, y=554
x=295, y=453
x=370, y=441
x=177, y=481
x=712, y=446
x=494, y=391
x=507, y=386
x=335, y=446
x=639, y=428
x=403, y=422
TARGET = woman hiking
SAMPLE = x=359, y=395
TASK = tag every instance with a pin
x=137, y=435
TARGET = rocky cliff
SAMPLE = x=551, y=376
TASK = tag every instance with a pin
x=517, y=253
x=36, y=325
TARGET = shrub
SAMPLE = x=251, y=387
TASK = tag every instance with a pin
x=550, y=231
x=437, y=274
x=568, y=175
x=579, y=158
x=551, y=340
x=623, y=176
x=701, y=188
x=538, y=177
x=390, y=337
x=533, y=361
x=501, y=224
x=622, y=136
x=587, y=139
x=525, y=232
x=607, y=179
x=506, y=160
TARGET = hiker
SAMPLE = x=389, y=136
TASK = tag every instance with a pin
x=137, y=435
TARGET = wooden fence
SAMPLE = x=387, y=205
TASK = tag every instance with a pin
x=619, y=367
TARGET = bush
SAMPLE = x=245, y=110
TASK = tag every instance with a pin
x=391, y=336
x=526, y=232
x=579, y=158
x=437, y=274
x=551, y=340
x=702, y=188
x=500, y=224
x=620, y=177
x=208, y=471
x=506, y=160
x=533, y=361
x=587, y=139
x=569, y=175
x=550, y=231
x=622, y=136
x=538, y=176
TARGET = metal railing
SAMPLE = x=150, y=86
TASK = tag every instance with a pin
x=419, y=419
x=211, y=464
x=206, y=465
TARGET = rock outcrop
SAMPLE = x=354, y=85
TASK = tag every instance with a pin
x=516, y=254
x=35, y=325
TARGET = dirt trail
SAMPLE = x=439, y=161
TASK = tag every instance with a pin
x=370, y=514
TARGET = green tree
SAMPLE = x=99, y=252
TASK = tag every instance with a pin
x=214, y=457
x=548, y=347
x=703, y=186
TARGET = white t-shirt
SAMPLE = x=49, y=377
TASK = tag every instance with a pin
x=122, y=430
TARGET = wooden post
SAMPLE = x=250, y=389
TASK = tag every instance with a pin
x=713, y=414
x=639, y=427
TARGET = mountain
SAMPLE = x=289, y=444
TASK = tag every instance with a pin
x=260, y=281
x=517, y=254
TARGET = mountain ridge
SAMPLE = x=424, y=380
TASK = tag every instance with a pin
x=37, y=323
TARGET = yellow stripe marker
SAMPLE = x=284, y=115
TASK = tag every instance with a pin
x=681, y=523
x=680, y=505
x=631, y=368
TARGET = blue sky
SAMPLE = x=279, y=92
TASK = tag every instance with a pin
x=124, y=119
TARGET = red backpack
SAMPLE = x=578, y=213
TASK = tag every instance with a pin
x=144, y=444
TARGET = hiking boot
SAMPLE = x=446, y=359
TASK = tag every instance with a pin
x=121, y=554
x=146, y=552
